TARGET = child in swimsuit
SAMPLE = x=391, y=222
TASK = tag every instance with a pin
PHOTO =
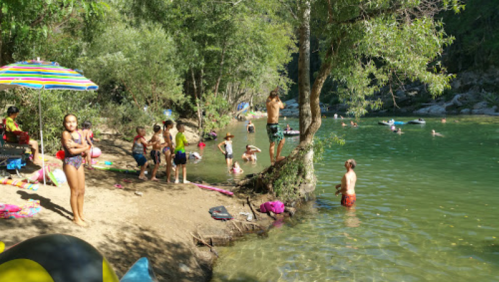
x=139, y=151
x=228, y=149
x=236, y=169
x=88, y=136
x=169, y=148
x=157, y=147
x=180, y=155
x=72, y=142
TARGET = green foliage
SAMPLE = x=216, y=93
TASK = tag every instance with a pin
x=68, y=102
x=321, y=144
x=217, y=112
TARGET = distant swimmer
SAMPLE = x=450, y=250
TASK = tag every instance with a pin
x=335, y=116
x=399, y=131
x=250, y=127
x=436, y=133
x=343, y=124
x=355, y=124
x=288, y=128
x=444, y=120
x=347, y=186
x=351, y=123
x=341, y=117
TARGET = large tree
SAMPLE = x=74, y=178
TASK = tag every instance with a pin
x=364, y=45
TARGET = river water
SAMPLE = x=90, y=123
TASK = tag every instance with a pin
x=427, y=207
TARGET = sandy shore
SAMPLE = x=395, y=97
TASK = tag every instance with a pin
x=124, y=226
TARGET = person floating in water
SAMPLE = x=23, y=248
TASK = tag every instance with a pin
x=250, y=127
x=399, y=131
x=436, y=133
x=343, y=124
x=274, y=132
x=250, y=153
x=347, y=186
x=288, y=128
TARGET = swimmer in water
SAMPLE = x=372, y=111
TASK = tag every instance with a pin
x=347, y=186
x=444, y=120
x=436, y=133
x=399, y=131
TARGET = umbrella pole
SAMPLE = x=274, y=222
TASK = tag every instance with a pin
x=41, y=133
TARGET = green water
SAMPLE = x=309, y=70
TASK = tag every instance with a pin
x=427, y=208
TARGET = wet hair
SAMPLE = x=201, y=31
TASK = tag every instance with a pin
x=352, y=163
x=86, y=125
x=273, y=93
x=167, y=123
x=66, y=116
x=247, y=146
x=12, y=110
x=156, y=128
x=139, y=128
x=234, y=164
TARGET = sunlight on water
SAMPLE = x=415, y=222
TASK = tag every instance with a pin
x=426, y=208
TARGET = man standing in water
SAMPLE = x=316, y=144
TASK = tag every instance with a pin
x=347, y=186
x=274, y=132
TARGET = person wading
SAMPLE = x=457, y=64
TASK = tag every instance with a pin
x=274, y=132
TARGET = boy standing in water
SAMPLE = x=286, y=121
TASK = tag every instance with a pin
x=347, y=186
x=180, y=156
x=156, y=150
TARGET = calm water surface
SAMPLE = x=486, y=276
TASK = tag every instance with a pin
x=427, y=207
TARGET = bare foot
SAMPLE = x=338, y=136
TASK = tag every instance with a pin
x=79, y=222
x=143, y=178
x=86, y=220
x=154, y=179
x=280, y=158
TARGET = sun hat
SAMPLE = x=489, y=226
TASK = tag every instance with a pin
x=228, y=135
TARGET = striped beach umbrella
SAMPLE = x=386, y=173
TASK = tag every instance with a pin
x=41, y=75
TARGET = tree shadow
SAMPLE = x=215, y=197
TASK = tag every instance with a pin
x=171, y=261
x=47, y=204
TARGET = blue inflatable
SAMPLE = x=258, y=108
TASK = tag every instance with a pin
x=243, y=106
x=141, y=271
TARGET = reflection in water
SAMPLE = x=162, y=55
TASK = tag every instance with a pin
x=351, y=220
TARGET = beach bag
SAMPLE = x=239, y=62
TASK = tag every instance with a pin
x=220, y=213
x=275, y=207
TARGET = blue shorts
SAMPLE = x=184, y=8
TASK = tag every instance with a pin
x=180, y=158
x=140, y=159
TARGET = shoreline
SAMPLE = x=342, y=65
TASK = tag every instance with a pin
x=169, y=224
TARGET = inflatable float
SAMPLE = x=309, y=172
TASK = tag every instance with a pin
x=214, y=189
x=417, y=121
x=128, y=171
x=388, y=123
x=20, y=184
x=63, y=258
x=291, y=132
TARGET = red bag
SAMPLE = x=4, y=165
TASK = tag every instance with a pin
x=23, y=138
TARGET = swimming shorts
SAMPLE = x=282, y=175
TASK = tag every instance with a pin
x=180, y=158
x=348, y=200
x=229, y=156
x=274, y=132
x=140, y=159
x=251, y=129
x=156, y=156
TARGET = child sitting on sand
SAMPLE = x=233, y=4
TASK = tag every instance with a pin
x=236, y=169
x=139, y=151
x=180, y=155
x=157, y=147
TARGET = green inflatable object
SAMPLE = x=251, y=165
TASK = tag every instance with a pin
x=129, y=171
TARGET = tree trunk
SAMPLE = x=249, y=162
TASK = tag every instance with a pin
x=304, y=88
x=198, y=105
x=221, y=68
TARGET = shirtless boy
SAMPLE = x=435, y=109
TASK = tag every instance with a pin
x=347, y=186
x=250, y=153
x=157, y=147
x=274, y=132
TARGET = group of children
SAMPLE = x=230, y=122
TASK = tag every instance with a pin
x=172, y=151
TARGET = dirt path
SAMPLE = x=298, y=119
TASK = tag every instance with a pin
x=124, y=226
